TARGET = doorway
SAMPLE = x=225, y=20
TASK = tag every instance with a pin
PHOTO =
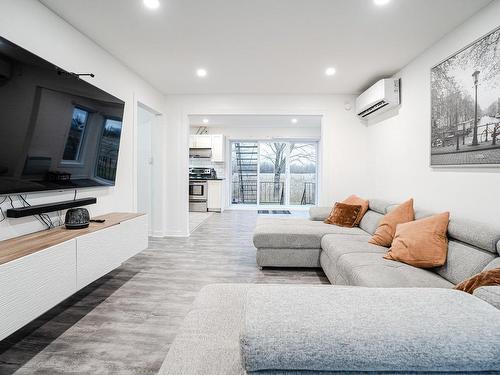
x=145, y=132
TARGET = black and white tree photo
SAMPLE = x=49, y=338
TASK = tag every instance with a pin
x=465, y=106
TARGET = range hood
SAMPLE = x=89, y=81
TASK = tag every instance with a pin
x=200, y=153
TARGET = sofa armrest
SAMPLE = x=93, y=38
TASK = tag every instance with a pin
x=490, y=294
x=319, y=213
x=337, y=329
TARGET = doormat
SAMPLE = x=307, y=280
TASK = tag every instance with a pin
x=274, y=212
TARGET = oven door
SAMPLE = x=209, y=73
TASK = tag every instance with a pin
x=197, y=191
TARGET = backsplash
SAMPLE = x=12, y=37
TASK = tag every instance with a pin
x=206, y=163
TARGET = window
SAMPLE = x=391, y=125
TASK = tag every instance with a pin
x=74, y=142
x=274, y=173
x=107, y=153
x=302, y=174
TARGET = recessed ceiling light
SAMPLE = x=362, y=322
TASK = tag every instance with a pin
x=294, y=121
x=381, y=2
x=205, y=121
x=201, y=72
x=330, y=71
x=151, y=4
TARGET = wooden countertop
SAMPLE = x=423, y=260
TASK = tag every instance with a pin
x=19, y=247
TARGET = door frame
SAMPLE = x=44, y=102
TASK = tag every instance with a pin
x=287, y=204
x=156, y=215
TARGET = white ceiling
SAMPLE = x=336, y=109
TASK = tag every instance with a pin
x=265, y=46
x=256, y=121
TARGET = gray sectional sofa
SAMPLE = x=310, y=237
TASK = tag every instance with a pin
x=380, y=317
x=348, y=259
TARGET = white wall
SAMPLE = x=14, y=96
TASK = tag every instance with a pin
x=32, y=26
x=399, y=146
x=343, y=142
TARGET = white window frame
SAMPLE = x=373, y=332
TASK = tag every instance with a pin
x=259, y=142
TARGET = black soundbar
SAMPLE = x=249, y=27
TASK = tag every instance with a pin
x=48, y=207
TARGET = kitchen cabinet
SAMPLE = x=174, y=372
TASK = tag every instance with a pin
x=215, y=196
x=214, y=141
x=200, y=141
x=218, y=148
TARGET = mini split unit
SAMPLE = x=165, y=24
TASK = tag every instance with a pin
x=379, y=98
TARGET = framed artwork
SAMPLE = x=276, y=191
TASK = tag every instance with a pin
x=465, y=106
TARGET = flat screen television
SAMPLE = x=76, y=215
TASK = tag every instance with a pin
x=57, y=131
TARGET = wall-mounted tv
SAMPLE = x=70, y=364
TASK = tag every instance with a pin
x=57, y=131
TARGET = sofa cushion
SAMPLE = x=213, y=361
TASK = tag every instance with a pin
x=295, y=233
x=490, y=294
x=319, y=213
x=370, y=221
x=421, y=243
x=463, y=261
x=379, y=205
x=281, y=257
x=357, y=201
x=208, y=340
x=484, y=278
x=372, y=270
x=364, y=329
x=344, y=215
x=474, y=233
x=335, y=245
x=495, y=263
x=386, y=230
x=422, y=213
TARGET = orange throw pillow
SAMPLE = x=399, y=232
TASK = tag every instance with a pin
x=355, y=200
x=387, y=227
x=344, y=215
x=421, y=243
x=485, y=278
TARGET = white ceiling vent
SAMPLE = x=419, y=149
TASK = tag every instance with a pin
x=379, y=98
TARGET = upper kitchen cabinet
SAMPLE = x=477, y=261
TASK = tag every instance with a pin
x=213, y=141
x=200, y=141
x=218, y=148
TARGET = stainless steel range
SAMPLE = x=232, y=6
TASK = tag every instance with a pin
x=198, y=188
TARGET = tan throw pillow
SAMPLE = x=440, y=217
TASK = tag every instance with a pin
x=421, y=243
x=387, y=227
x=485, y=278
x=343, y=215
x=355, y=200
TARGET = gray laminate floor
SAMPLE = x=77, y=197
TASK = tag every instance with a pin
x=124, y=322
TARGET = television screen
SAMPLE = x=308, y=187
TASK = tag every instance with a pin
x=56, y=130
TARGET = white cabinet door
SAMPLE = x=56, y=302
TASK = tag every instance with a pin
x=200, y=141
x=31, y=285
x=203, y=141
x=192, y=141
x=102, y=251
x=97, y=254
x=218, y=148
x=215, y=198
x=133, y=237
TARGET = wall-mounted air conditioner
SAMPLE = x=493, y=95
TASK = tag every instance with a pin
x=379, y=98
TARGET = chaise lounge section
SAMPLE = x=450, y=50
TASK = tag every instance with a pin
x=236, y=329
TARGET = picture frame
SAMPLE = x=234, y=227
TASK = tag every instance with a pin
x=465, y=106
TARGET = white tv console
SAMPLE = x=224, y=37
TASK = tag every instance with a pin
x=40, y=270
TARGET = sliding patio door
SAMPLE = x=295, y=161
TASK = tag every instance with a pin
x=272, y=173
x=277, y=173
